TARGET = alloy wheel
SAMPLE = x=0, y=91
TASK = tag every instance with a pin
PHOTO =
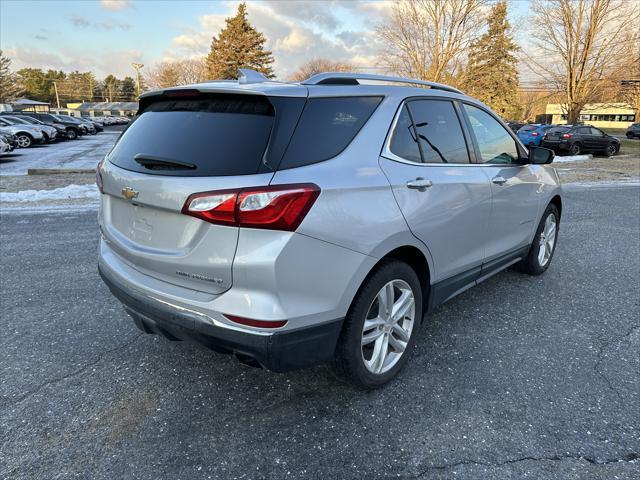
x=24, y=141
x=611, y=150
x=547, y=240
x=388, y=326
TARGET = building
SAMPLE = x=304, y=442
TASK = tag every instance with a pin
x=603, y=115
x=99, y=109
x=26, y=105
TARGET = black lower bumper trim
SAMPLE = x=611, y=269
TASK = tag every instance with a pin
x=279, y=352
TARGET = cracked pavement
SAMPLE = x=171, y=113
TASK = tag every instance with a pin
x=520, y=377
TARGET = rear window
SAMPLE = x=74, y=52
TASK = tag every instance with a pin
x=528, y=128
x=559, y=130
x=213, y=135
x=326, y=128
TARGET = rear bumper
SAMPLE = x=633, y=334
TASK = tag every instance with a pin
x=277, y=351
x=556, y=145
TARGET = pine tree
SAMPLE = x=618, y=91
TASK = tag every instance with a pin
x=491, y=74
x=239, y=45
x=9, y=87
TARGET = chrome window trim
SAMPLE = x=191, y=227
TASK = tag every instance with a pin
x=388, y=154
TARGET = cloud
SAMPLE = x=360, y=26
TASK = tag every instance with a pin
x=114, y=5
x=296, y=32
x=109, y=24
x=40, y=37
x=79, y=21
x=117, y=62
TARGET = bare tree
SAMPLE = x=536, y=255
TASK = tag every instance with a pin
x=428, y=39
x=181, y=72
x=319, y=65
x=578, y=45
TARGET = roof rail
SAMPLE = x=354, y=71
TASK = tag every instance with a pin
x=345, y=78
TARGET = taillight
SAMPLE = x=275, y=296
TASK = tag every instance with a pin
x=535, y=134
x=276, y=207
x=257, y=323
x=567, y=135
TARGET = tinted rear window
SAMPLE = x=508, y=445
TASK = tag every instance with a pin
x=326, y=128
x=559, y=130
x=217, y=134
x=528, y=128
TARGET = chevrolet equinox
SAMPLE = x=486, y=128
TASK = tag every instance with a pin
x=294, y=224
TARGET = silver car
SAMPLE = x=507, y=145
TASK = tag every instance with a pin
x=294, y=224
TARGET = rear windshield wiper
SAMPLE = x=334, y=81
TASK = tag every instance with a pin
x=161, y=163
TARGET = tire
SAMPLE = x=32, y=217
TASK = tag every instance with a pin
x=611, y=150
x=355, y=362
x=575, y=149
x=24, y=140
x=537, y=262
x=72, y=134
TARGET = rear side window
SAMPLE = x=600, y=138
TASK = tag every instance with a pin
x=439, y=131
x=211, y=135
x=404, y=141
x=327, y=126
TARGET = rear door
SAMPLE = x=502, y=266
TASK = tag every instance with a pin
x=177, y=147
x=445, y=200
x=516, y=188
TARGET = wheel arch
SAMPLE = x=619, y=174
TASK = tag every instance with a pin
x=416, y=259
x=557, y=201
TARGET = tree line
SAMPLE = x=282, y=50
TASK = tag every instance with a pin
x=68, y=87
x=584, y=51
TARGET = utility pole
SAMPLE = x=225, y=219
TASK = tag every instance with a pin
x=55, y=87
x=137, y=67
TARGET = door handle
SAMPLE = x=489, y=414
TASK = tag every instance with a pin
x=419, y=184
x=499, y=180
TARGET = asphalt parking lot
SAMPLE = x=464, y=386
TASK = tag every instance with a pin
x=521, y=377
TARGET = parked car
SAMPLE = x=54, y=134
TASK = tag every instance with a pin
x=50, y=133
x=4, y=146
x=576, y=139
x=86, y=127
x=27, y=135
x=72, y=129
x=633, y=131
x=515, y=126
x=9, y=138
x=319, y=221
x=60, y=129
x=532, y=134
x=97, y=127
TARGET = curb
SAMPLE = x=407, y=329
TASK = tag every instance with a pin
x=54, y=171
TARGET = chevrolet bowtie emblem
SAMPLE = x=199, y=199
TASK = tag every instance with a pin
x=129, y=193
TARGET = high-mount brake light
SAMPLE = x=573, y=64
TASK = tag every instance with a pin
x=182, y=93
x=275, y=207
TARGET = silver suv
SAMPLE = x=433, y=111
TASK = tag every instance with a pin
x=299, y=224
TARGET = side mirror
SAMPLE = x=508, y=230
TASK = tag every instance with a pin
x=540, y=155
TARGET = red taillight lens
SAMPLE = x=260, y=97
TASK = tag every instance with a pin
x=535, y=134
x=277, y=207
x=257, y=323
x=567, y=135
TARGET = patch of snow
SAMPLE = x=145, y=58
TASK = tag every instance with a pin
x=572, y=158
x=63, y=193
x=604, y=184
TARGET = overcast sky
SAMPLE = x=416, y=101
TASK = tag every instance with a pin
x=105, y=36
